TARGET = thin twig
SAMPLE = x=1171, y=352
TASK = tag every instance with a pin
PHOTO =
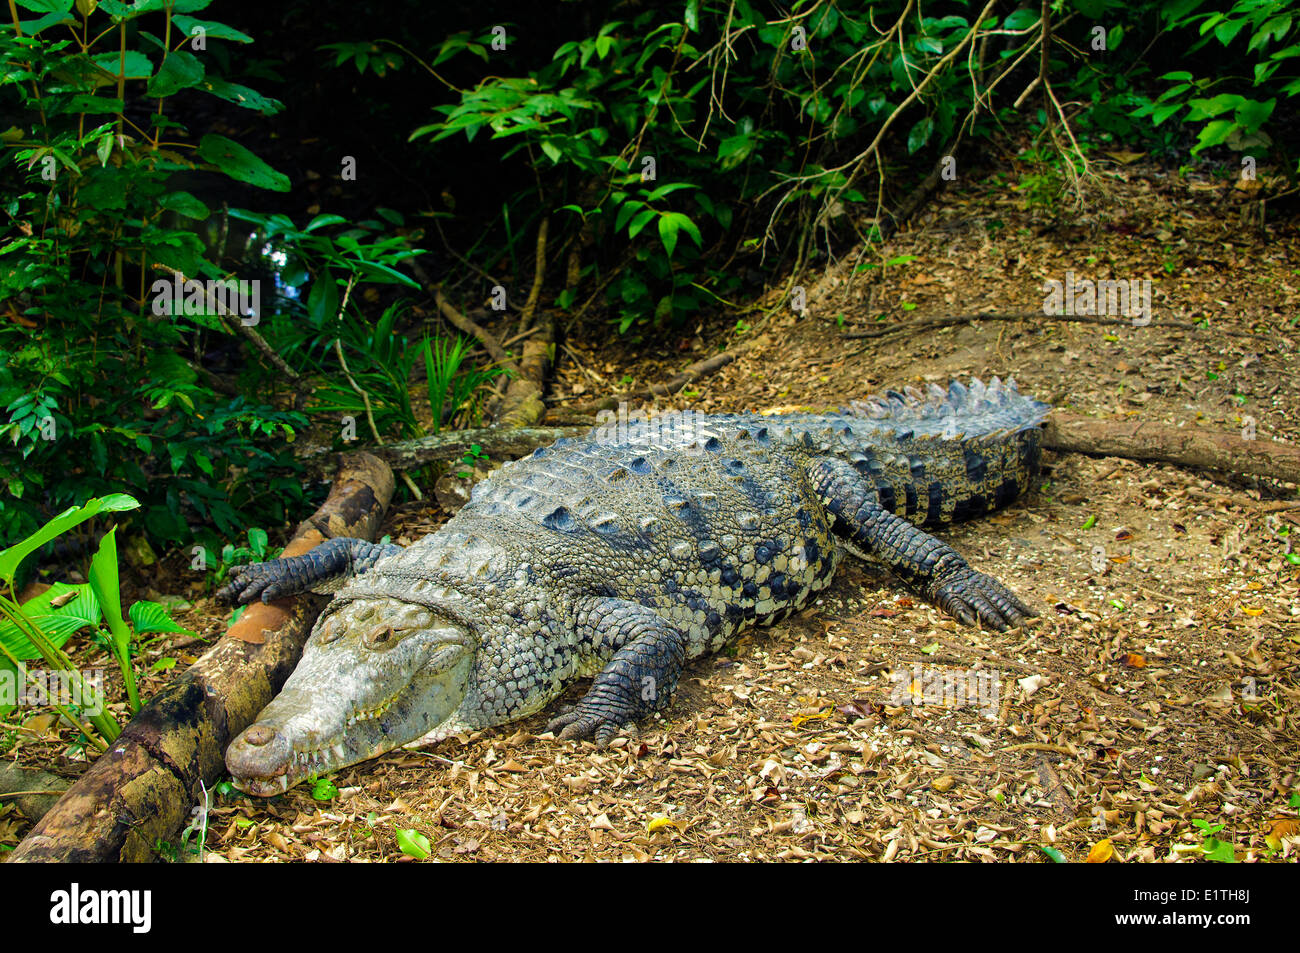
x=923, y=325
x=365, y=398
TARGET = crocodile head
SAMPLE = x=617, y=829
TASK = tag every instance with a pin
x=376, y=673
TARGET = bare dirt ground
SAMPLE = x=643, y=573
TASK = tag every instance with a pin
x=1150, y=714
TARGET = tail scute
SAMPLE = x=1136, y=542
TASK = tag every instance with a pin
x=972, y=410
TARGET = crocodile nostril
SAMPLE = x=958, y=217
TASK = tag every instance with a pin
x=259, y=735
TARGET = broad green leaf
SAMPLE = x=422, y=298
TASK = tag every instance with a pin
x=151, y=617
x=668, y=229
x=644, y=218
x=46, y=6
x=920, y=134
x=14, y=555
x=669, y=188
x=138, y=66
x=214, y=31
x=185, y=204
x=242, y=96
x=1213, y=134
x=322, y=220
x=180, y=70
x=104, y=582
x=58, y=623
x=413, y=843
x=323, y=299
x=240, y=164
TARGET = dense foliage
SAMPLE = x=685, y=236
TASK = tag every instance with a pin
x=684, y=153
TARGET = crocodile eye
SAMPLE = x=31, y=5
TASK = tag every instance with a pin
x=379, y=637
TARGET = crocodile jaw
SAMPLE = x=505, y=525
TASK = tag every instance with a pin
x=375, y=675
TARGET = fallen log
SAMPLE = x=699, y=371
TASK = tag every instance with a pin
x=32, y=790
x=1196, y=447
x=141, y=790
x=496, y=442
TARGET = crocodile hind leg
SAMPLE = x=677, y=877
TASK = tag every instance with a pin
x=324, y=569
x=932, y=565
x=638, y=680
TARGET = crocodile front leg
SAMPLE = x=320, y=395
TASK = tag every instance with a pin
x=324, y=569
x=932, y=565
x=638, y=680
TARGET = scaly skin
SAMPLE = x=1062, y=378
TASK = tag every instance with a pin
x=622, y=556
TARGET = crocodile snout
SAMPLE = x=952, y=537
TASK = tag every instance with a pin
x=260, y=754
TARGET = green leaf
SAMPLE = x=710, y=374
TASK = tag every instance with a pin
x=185, y=204
x=322, y=220
x=323, y=299
x=151, y=617
x=242, y=96
x=104, y=582
x=75, y=516
x=668, y=229
x=138, y=66
x=324, y=790
x=644, y=218
x=58, y=623
x=668, y=189
x=46, y=6
x=920, y=134
x=1219, y=851
x=413, y=843
x=180, y=70
x=1252, y=113
x=1213, y=134
x=1056, y=855
x=240, y=164
x=214, y=31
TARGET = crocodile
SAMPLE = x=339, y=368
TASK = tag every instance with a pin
x=621, y=555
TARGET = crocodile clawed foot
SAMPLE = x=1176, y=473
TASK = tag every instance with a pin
x=975, y=598
x=252, y=581
x=582, y=722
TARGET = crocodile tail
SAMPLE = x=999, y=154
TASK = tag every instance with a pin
x=972, y=411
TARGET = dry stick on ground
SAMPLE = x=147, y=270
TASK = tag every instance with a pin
x=141, y=790
x=460, y=321
x=689, y=375
x=949, y=321
x=1197, y=447
x=257, y=340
